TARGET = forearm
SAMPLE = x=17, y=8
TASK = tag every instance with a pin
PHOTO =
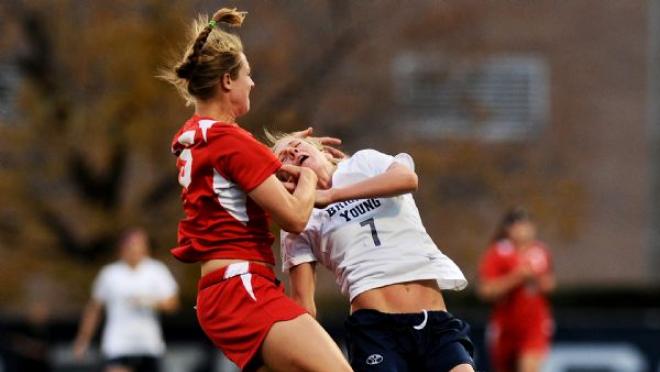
x=395, y=181
x=304, y=195
x=89, y=323
x=290, y=211
x=493, y=289
x=168, y=305
x=547, y=283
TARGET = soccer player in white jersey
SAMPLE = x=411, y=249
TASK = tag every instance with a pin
x=132, y=290
x=368, y=232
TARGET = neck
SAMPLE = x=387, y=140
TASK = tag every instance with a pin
x=522, y=244
x=216, y=109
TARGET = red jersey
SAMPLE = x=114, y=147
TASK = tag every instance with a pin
x=525, y=304
x=219, y=164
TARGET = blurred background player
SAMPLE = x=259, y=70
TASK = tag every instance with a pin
x=516, y=275
x=229, y=189
x=132, y=290
x=382, y=258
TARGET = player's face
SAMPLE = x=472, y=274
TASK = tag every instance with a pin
x=522, y=232
x=299, y=152
x=241, y=87
x=134, y=248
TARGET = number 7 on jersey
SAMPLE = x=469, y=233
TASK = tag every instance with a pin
x=374, y=233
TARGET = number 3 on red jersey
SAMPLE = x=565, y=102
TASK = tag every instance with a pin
x=184, y=163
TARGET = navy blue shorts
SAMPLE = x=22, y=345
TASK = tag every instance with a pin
x=135, y=363
x=431, y=341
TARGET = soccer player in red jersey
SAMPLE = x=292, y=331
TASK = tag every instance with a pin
x=516, y=275
x=229, y=191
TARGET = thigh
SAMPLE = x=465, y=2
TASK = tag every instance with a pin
x=448, y=358
x=148, y=364
x=447, y=344
x=502, y=349
x=301, y=344
x=463, y=368
x=117, y=368
x=535, y=339
x=118, y=364
x=530, y=362
x=237, y=314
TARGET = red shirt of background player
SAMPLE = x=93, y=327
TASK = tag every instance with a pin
x=219, y=163
x=525, y=305
x=521, y=324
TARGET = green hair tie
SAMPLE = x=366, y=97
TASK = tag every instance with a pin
x=213, y=23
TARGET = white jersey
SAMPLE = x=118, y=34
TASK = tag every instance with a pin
x=370, y=243
x=131, y=326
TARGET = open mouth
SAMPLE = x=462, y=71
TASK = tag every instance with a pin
x=302, y=159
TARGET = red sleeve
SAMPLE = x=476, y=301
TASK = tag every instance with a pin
x=240, y=157
x=490, y=266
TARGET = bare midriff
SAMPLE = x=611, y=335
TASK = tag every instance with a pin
x=217, y=264
x=409, y=297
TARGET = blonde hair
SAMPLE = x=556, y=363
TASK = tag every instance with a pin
x=274, y=137
x=211, y=53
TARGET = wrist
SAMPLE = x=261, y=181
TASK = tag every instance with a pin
x=334, y=195
x=307, y=175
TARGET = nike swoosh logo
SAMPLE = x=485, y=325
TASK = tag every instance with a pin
x=421, y=325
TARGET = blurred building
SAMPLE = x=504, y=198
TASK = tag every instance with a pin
x=563, y=86
x=500, y=103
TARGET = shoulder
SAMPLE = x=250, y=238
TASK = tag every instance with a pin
x=502, y=248
x=110, y=270
x=217, y=130
x=367, y=154
x=155, y=265
x=366, y=159
x=542, y=247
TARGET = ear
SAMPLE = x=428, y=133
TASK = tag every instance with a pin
x=226, y=82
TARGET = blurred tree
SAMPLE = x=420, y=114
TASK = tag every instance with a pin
x=87, y=153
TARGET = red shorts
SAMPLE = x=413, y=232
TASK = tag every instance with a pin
x=237, y=305
x=507, y=345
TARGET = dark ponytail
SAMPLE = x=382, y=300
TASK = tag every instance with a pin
x=512, y=216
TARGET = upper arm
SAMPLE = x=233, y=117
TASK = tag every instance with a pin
x=241, y=158
x=167, y=285
x=404, y=174
x=101, y=287
x=489, y=268
x=93, y=309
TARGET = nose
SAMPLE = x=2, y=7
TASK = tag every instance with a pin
x=291, y=152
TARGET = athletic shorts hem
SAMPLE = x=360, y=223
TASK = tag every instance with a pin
x=238, y=305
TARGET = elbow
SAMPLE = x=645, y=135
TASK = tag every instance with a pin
x=170, y=306
x=294, y=227
x=296, y=223
x=408, y=180
x=413, y=182
x=485, y=293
